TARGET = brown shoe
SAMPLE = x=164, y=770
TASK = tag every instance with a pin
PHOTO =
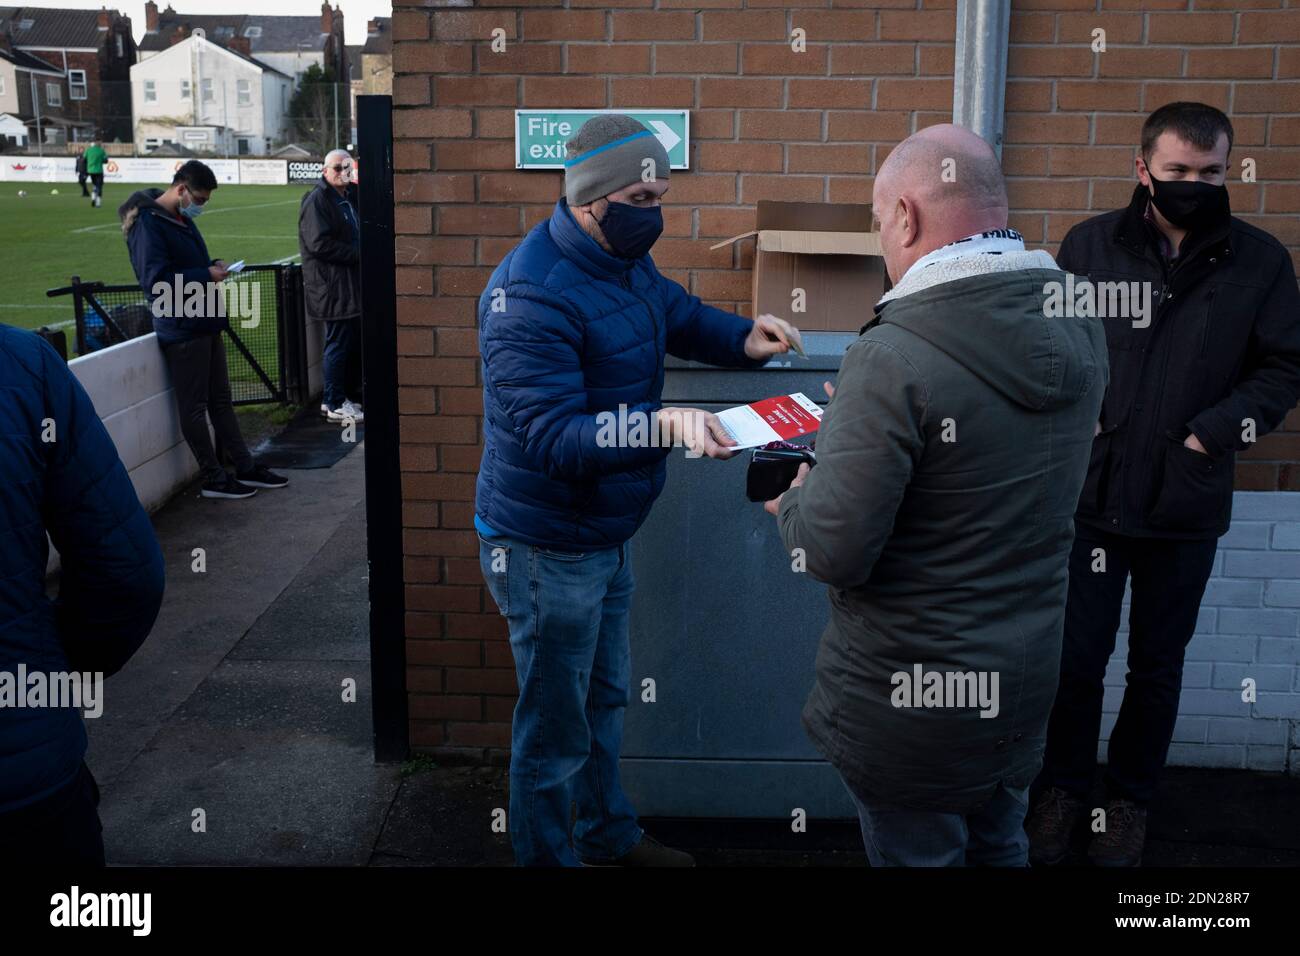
x=649, y=852
x=1125, y=834
x=1051, y=823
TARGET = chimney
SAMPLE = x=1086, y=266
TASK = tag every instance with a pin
x=372, y=27
x=179, y=34
x=240, y=45
x=150, y=16
x=105, y=18
x=326, y=18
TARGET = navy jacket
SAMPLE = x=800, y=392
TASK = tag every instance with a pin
x=163, y=248
x=575, y=331
x=75, y=488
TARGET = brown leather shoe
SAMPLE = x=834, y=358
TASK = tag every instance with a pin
x=1051, y=823
x=1125, y=834
x=649, y=852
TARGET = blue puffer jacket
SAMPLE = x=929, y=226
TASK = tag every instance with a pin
x=75, y=487
x=579, y=331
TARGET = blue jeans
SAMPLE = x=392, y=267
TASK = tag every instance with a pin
x=568, y=619
x=993, y=835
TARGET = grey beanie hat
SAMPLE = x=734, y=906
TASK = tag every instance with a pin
x=607, y=154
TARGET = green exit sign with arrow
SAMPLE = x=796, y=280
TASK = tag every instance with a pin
x=540, y=135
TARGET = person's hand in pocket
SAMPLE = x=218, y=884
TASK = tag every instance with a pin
x=1194, y=443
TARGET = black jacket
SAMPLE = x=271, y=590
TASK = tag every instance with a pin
x=167, y=251
x=1220, y=355
x=331, y=254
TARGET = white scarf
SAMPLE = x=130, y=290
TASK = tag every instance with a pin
x=997, y=250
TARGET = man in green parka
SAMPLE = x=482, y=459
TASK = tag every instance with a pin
x=941, y=514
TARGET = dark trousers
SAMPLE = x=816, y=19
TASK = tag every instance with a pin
x=1169, y=580
x=202, y=385
x=62, y=829
x=342, y=362
x=98, y=180
x=81, y=181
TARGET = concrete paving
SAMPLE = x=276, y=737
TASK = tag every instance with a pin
x=235, y=707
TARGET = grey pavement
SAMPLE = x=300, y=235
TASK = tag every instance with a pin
x=235, y=707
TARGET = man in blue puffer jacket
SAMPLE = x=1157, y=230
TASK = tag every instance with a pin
x=61, y=474
x=573, y=328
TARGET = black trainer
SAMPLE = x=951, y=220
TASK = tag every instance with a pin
x=227, y=487
x=261, y=477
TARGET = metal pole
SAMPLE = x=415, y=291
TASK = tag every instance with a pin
x=336, y=113
x=980, y=68
x=36, y=103
x=383, y=465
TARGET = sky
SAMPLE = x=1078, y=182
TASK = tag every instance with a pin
x=355, y=12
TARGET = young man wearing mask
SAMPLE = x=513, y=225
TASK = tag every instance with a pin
x=1212, y=365
x=575, y=322
x=168, y=251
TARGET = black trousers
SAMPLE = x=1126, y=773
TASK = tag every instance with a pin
x=201, y=381
x=61, y=830
x=81, y=181
x=97, y=179
x=1169, y=579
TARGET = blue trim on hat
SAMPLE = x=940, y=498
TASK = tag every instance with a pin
x=610, y=145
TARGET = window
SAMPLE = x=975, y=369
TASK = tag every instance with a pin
x=252, y=32
x=26, y=24
x=223, y=32
x=151, y=143
x=121, y=49
x=245, y=92
x=244, y=148
x=150, y=91
x=185, y=89
x=76, y=84
x=53, y=94
x=206, y=86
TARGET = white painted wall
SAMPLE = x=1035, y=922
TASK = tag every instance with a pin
x=1249, y=627
x=132, y=393
x=8, y=87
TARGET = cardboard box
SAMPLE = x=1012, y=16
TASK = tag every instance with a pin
x=826, y=249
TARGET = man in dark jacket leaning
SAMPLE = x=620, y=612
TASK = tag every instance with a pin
x=573, y=328
x=940, y=512
x=61, y=475
x=174, y=270
x=329, y=238
x=1213, y=364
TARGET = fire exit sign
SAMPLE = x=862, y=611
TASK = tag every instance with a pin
x=540, y=135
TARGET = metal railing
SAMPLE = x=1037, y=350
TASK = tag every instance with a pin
x=268, y=360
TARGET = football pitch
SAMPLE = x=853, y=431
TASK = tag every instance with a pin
x=46, y=239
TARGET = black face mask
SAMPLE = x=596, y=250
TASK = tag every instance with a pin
x=631, y=230
x=1189, y=204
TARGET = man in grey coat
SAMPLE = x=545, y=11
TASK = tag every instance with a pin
x=941, y=514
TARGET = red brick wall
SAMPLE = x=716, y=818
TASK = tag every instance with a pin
x=765, y=123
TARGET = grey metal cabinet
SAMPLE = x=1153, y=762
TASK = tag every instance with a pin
x=725, y=628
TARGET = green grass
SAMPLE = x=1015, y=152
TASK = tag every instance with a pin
x=46, y=239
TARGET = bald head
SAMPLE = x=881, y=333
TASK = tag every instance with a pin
x=937, y=186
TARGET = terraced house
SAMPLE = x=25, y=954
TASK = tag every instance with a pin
x=92, y=51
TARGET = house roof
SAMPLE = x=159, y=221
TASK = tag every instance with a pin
x=65, y=29
x=381, y=42
x=270, y=34
x=249, y=59
x=25, y=61
x=354, y=62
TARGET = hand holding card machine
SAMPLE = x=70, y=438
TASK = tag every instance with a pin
x=771, y=470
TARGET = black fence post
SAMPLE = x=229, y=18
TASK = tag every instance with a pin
x=383, y=468
x=79, y=310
